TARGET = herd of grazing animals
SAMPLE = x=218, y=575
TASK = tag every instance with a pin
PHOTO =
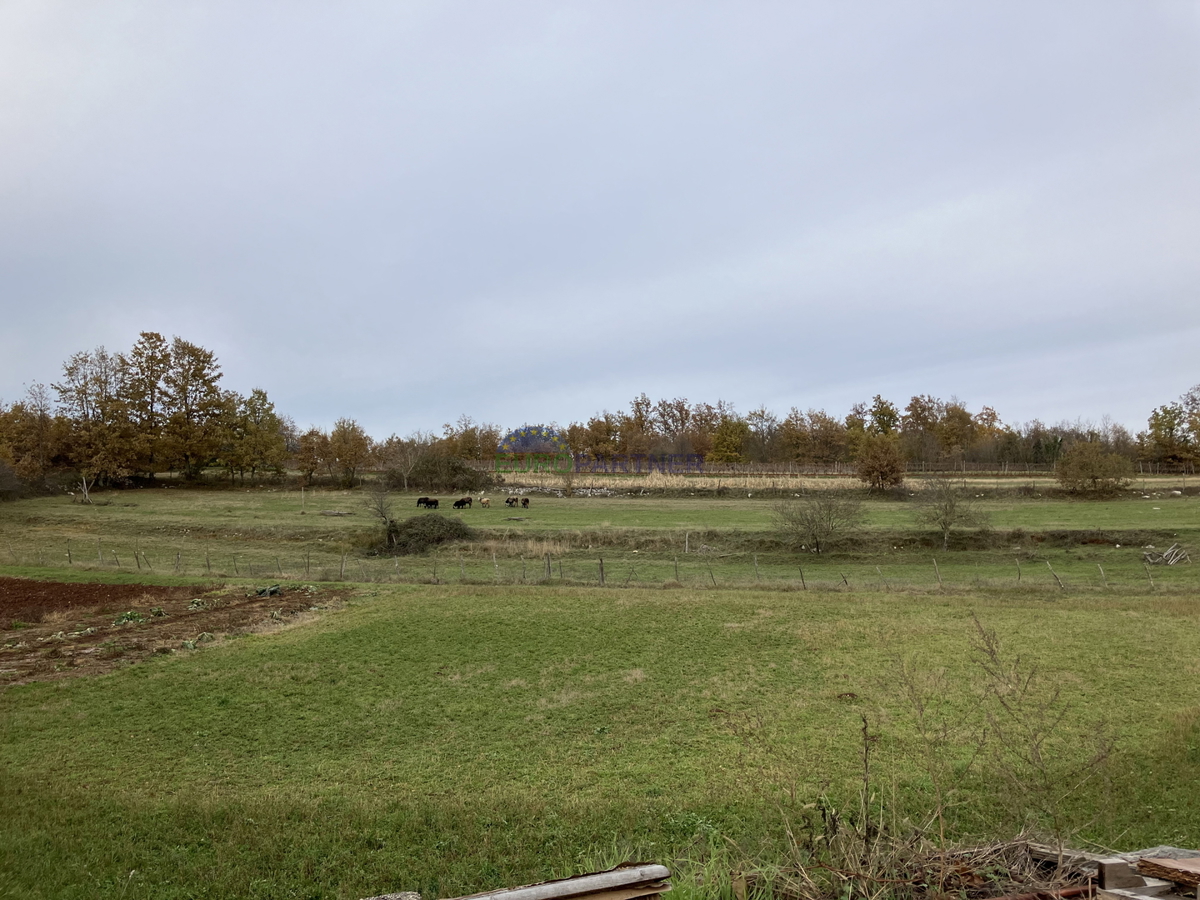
x=465, y=502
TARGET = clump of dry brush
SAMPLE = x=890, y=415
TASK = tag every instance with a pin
x=833, y=859
x=1006, y=736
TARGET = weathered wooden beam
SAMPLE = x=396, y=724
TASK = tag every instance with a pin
x=650, y=877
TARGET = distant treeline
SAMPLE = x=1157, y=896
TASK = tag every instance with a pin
x=116, y=418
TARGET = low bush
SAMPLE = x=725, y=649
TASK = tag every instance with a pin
x=818, y=519
x=421, y=533
x=1087, y=468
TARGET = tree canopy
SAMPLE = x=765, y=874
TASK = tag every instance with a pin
x=161, y=406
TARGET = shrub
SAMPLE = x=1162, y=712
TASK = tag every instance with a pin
x=420, y=533
x=880, y=465
x=818, y=519
x=1089, y=468
x=442, y=472
x=944, y=505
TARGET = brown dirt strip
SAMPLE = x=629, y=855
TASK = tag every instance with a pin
x=51, y=630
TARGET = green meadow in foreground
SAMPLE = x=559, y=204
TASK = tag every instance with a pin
x=454, y=738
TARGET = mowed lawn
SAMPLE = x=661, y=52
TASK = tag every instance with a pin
x=453, y=738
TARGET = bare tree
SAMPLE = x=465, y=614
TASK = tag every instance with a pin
x=818, y=518
x=379, y=503
x=567, y=480
x=398, y=457
x=945, y=505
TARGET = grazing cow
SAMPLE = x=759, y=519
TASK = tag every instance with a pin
x=464, y=503
x=423, y=501
x=510, y=501
x=524, y=503
x=484, y=501
x=431, y=504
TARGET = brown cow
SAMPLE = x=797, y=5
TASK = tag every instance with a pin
x=484, y=501
x=524, y=503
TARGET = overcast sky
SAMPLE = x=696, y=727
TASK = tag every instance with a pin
x=402, y=212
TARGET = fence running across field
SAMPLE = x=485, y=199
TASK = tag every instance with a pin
x=847, y=469
x=618, y=570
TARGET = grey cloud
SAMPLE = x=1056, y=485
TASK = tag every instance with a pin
x=535, y=210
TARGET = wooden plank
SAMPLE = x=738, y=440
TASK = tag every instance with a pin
x=1047, y=853
x=646, y=890
x=629, y=877
x=1180, y=871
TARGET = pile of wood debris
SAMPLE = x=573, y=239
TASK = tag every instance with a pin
x=1169, y=557
x=1015, y=870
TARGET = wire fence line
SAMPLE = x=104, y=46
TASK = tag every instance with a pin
x=615, y=571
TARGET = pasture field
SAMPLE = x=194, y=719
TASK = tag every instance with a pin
x=449, y=738
x=461, y=721
x=268, y=534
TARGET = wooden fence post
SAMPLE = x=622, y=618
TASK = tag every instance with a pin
x=1055, y=574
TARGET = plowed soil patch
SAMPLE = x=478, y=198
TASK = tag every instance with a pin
x=29, y=602
x=54, y=630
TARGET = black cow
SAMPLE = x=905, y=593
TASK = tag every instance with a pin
x=524, y=503
x=510, y=501
x=427, y=502
x=464, y=503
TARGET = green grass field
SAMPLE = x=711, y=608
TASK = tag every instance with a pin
x=267, y=534
x=456, y=737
